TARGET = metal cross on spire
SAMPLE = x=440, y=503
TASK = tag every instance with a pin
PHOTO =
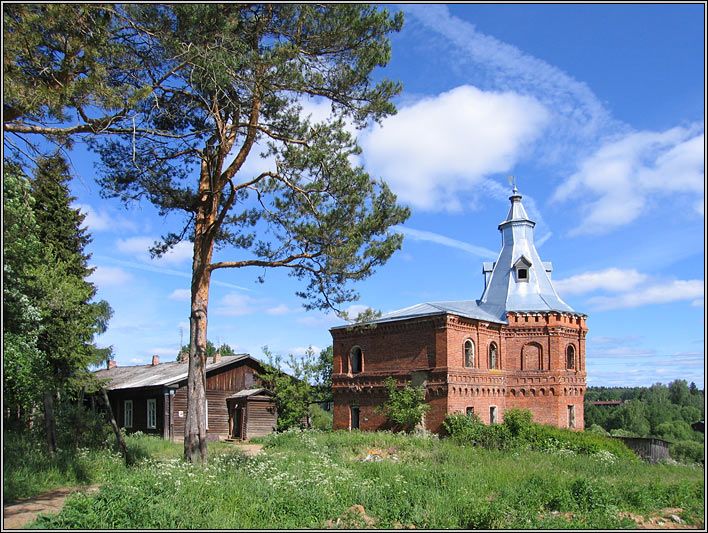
x=512, y=182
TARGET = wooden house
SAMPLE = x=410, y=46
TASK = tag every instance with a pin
x=153, y=398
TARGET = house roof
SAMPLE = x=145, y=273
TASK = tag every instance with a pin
x=250, y=392
x=130, y=377
x=464, y=308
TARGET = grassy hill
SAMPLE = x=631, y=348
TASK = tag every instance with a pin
x=312, y=479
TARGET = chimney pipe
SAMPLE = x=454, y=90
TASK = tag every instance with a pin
x=111, y=364
x=155, y=360
x=217, y=356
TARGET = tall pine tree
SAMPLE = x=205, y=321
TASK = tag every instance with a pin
x=69, y=316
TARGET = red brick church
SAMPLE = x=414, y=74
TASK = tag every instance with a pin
x=519, y=345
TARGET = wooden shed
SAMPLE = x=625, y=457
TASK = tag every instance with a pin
x=648, y=448
x=252, y=413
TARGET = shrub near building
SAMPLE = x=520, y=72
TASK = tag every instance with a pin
x=518, y=430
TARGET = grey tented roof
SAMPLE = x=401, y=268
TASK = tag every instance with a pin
x=130, y=377
x=465, y=308
x=503, y=291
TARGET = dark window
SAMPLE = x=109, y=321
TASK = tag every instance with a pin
x=523, y=273
x=570, y=357
x=469, y=353
x=571, y=416
x=355, y=360
x=493, y=362
x=493, y=414
x=354, y=417
x=469, y=411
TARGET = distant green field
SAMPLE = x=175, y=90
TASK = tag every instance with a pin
x=312, y=479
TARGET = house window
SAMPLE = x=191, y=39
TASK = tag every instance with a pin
x=152, y=413
x=469, y=353
x=571, y=416
x=469, y=411
x=570, y=357
x=128, y=414
x=493, y=414
x=523, y=274
x=354, y=424
x=355, y=359
x=493, y=362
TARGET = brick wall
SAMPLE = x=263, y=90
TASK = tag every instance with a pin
x=531, y=368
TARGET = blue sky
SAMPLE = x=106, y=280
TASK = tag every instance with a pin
x=599, y=112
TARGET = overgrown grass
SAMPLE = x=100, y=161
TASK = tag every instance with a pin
x=312, y=479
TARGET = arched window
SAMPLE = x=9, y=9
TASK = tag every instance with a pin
x=355, y=360
x=469, y=353
x=570, y=357
x=493, y=360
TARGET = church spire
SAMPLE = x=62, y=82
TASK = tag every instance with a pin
x=519, y=279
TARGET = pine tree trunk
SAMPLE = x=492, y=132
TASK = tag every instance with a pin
x=195, y=444
x=49, y=422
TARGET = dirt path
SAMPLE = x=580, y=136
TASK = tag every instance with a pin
x=18, y=515
x=250, y=450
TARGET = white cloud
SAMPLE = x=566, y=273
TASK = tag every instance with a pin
x=235, y=304
x=577, y=113
x=181, y=295
x=300, y=351
x=614, y=184
x=429, y=236
x=281, y=309
x=101, y=220
x=440, y=147
x=673, y=291
x=611, y=279
x=148, y=267
x=105, y=276
x=139, y=248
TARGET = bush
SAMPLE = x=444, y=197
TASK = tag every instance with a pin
x=469, y=429
x=404, y=407
x=518, y=421
x=687, y=451
x=519, y=430
x=320, y=419
x=597, y=430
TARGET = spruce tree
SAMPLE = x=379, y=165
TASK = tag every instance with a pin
x=70, y=318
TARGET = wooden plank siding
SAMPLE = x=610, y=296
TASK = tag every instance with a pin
x=139, y=398
x=261, y=416
x=171, y=410
x=219, y=385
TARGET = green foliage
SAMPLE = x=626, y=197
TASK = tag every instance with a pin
x=646, y=409
x=293, y=390
x=675, y=431
x=323, y=375
x=597, y=429
x=320, y=419
x=518, y=431
x=404, y=407
x=687, y=452
x=312, y=480
x=211, y=349
x=518, y=421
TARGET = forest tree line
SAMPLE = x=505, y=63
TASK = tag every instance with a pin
x=665, y=411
